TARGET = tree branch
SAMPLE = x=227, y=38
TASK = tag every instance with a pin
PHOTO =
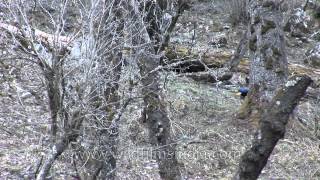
x=43, y=37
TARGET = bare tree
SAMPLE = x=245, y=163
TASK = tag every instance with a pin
x=154, y=37
x=81, y=62
x=81, y=70
x=102, y=137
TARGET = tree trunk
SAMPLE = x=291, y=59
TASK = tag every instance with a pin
x=269, y=66
x=57, y=150
x=239, y=54
x=54, y=100
x=181, y=6
x=54, y=83
x=155, y=111
x=272, y=127
x=157, y=120
x=61, y=145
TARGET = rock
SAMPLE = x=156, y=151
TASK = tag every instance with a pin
x=313, y=56
x=219, y=40
x=316, y=36
x=307, y=112
x=226, y=27
x=299, y=23
x=239, y=78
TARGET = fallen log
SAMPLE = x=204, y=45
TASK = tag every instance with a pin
x=188, y=62
x=46, y=38
x=208, y=77
x=214, y=59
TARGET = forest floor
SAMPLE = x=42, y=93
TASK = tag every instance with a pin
x=210, y=140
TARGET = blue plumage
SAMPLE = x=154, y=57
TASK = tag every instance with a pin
x=244, y=91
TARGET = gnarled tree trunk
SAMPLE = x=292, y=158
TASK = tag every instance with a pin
x=157, y=120
x=155, y=112
x=272, y=127
x=268, y=66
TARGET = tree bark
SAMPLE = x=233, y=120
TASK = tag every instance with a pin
x=61, y=145
x=268, y=66
x=53, y=76
x=272, y=127
x=155, y=112
x=157, y=120
x=239, y=54
x=57, y=149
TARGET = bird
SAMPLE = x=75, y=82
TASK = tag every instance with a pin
x=243, y=92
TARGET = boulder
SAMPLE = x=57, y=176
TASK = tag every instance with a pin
x=307, y=111
x=298, y=23
x=220, y=40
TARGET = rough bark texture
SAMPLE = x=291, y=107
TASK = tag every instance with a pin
x=155, y=111
x=269, y=66
x=239, y=54
x=157, y=120
x=54, y=99
x=272, y=127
